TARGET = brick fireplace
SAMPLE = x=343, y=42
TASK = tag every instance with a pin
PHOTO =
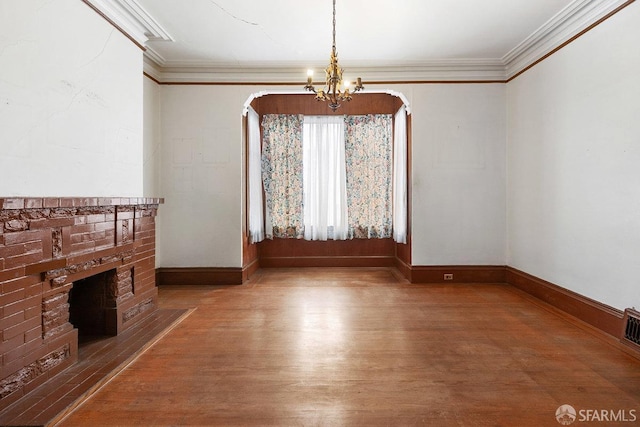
x=69, y=266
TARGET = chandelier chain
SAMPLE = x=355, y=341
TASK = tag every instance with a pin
x=334, y=25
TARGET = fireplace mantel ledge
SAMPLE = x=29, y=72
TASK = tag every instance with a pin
x=71, y=202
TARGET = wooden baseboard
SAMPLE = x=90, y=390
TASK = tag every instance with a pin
x=199, y=276
x=290, y=253
x=594, y=313
x=327, y=261
x=461, y=274
x=249, y=269
x=403, y=268
x=599, y=315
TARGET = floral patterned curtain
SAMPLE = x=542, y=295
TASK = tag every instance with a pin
x=368, y=156
x=282, y=175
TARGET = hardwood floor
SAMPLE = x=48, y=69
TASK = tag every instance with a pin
x=362, y=347
x=99, y=359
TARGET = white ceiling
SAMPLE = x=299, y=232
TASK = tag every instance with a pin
x=267, y=36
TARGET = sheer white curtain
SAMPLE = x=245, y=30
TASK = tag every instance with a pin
x=400, y=176
x=256, y=221
x=325, y=192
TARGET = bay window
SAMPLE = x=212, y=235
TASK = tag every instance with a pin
x=329, y=177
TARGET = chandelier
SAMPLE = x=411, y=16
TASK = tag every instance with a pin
x=332, y=90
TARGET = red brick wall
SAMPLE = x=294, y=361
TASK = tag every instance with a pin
x=46, y=244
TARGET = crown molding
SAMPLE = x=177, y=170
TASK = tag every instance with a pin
x=153, y=56
x=132, y=19
x=570, y=22
x=440, y=70
x=151, y=69
x=446, y=70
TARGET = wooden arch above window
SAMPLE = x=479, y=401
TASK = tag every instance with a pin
x=362, y=103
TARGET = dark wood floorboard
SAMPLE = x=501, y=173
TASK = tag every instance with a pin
x=361, y=347
x=98, y=360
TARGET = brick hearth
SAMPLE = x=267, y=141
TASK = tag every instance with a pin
x=45, y=245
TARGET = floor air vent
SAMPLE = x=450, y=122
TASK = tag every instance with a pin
x=631, y=324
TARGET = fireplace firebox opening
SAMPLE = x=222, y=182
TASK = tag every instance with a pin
x=91, y=307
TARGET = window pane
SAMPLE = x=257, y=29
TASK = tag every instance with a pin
x=325, y=208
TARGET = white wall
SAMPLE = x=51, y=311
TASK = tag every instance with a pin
x=574, y=165
x=458, y=173
x=201, y=176
x=70, y=102
x=151, y=138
